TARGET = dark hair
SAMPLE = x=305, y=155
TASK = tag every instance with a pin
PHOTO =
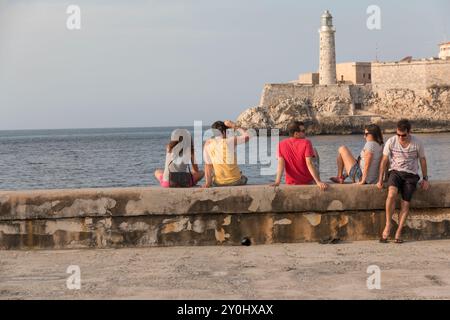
x=376, y=133
x=294, y=127
x=404, y=125
x=220, y=125
x=173, y=143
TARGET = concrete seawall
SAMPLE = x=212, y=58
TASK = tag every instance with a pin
x=127, y=217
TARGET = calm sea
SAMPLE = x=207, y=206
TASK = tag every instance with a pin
x=79, y=158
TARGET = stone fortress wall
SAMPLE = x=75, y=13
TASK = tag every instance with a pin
x=308, y=78
x=444, y=50
x=419, y=90
x=354, y=72
x=274, y=94
x=417, y=75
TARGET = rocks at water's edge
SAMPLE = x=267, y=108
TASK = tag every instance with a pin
x=346, y=113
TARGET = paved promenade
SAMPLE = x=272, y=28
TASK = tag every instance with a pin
x=414, y=270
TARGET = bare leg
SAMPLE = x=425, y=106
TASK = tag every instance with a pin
x=340, y=165
x=390, y=207
x=345, y=159
x=402, y=218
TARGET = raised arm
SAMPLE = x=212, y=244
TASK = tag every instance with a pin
x=243, y=137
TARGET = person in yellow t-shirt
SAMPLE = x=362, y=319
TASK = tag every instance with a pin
x=220, y=156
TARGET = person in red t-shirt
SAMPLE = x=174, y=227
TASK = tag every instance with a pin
x=296, y=156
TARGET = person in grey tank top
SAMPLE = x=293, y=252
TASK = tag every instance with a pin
x=365, y=168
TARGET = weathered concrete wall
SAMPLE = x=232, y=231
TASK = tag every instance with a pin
x=101, y=218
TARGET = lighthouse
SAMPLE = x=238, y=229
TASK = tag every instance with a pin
x=327, y=67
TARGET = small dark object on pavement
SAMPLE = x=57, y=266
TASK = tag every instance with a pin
x=330, y=240
x=246, y=242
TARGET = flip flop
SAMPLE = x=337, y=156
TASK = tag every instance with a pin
x=383, y=240
x=339, y=180
x=330, y=240
x=325, y=240
x=399, y=241
x=335, y=241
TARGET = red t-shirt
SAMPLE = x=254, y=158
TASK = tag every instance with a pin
x=294, y=152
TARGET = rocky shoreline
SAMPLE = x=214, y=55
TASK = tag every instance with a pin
x=348, y=125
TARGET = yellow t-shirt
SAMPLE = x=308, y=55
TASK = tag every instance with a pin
x=221, y=153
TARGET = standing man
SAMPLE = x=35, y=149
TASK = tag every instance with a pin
x=297, y=157
x=404, y=151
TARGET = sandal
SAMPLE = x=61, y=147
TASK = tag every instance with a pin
x=383, y=239
x=339, y=180
x=399, y=241
x=330, y=240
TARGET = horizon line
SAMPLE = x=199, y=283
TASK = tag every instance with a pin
x=98, y=128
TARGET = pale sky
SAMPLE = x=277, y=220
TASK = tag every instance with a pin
x=142, y=63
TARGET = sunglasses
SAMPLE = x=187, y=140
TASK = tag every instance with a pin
x=366, y=134
x=402, y=135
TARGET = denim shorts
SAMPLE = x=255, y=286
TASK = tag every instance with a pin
x=355, y=173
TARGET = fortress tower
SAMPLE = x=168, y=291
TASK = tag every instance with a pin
x=444, y=50
x=327, y=67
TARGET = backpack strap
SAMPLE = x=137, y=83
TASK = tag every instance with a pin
x=168, y=166
x=358, y=161
x=190, y=173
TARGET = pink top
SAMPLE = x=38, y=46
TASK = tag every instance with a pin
x=294, y=152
